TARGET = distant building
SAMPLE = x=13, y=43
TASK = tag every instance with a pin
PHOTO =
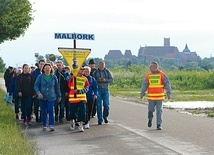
x=116, y=55
x=148, y=53
x=151, y=53
x=128, y=54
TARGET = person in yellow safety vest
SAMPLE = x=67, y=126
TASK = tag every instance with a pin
x=78, y=87
x=155, y=83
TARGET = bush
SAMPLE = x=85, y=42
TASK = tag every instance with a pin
x=133, y=76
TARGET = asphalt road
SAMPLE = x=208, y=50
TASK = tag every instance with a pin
x=127, y=133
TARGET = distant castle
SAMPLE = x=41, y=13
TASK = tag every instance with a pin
x=117, y=55
x=149, y=53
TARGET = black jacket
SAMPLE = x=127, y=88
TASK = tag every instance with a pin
x=25, y=84
x=7, y=77
x=61, y=76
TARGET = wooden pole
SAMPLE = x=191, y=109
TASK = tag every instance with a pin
x=75, y=84
x=74, y=43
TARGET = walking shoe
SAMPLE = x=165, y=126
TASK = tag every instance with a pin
x=76, y=123
x=37, y=120
x=25, y=122
x=40, y=120
x=106, y=121
x=72, y=125
x=51, y=128
x=29, y=122
x=61, y=121
x=99, y=123
x=17, y=116
x=56, y=118
x=87, y=126
x=80, y=128
x=44, y=128
x=150, y=123
x=159, y=127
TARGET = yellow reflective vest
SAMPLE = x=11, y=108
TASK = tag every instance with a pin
x=155, y=86
x=81, y=82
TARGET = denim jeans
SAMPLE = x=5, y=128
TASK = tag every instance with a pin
x=59, y=107
x=47, y=107
x=151, y=109
x=103, y=101
x=79, y=109
x=26, y=107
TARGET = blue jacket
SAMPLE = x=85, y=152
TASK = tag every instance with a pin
x=92, y=88
x=50, y=90
x=36, y=73
x=12, y=89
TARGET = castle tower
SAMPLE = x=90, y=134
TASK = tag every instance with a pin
x=186, y=49
x=166, y=41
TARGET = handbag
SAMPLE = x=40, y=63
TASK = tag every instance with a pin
x=8, y=99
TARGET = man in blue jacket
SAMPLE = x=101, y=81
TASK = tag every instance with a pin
x=35, y=74
x=59, y=107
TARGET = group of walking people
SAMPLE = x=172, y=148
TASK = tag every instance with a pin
x=54, y=90
x=56, y=95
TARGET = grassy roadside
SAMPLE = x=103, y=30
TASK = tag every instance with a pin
x=191, y=95
x=11, y=139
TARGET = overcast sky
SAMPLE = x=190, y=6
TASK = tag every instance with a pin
x=117, y=25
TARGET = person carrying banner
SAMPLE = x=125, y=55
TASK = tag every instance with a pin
x=78, y=87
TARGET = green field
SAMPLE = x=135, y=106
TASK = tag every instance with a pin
x=186, y=85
